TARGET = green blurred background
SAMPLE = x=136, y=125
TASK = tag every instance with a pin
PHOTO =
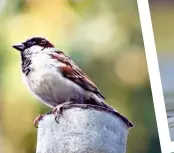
x=103, y=37
x=162, y=14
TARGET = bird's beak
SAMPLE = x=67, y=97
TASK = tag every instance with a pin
x=19, y=47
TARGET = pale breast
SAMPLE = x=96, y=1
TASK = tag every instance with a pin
x=46, y=82
x=51, y=87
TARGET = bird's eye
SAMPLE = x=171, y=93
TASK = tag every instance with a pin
x=30, y=43
x=43, y=42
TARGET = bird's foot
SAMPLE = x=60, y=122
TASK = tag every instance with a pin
x=58, y=110
x=37, y=119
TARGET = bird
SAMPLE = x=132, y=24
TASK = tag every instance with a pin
x=54, y=78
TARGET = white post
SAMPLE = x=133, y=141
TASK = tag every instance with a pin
x=83, y=129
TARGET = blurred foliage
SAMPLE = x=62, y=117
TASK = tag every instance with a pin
x=162, y=20
x=103, y=37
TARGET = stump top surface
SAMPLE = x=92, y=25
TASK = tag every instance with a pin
x=95, y=107
x=83, y=129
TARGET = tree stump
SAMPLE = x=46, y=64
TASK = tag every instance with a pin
x=83, y=129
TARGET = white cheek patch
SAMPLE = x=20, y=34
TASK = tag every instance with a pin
x=35, y=49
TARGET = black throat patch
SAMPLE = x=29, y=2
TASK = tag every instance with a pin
x=26, y=62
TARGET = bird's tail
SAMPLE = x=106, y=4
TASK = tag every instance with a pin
x=129, y=124
x=107, y=106
x=100, y=102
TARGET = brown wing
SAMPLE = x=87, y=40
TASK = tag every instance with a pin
x=74, y=73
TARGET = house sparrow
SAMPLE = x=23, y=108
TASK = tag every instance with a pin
x=54, y=78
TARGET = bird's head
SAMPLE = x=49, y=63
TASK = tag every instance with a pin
x=33, y=45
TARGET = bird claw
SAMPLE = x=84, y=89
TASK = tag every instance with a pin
x=58, y=110
x=37, y=119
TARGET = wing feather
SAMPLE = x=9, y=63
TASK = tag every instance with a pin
x=72, y=72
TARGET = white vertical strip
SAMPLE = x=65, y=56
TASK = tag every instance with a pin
x=154, y=75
